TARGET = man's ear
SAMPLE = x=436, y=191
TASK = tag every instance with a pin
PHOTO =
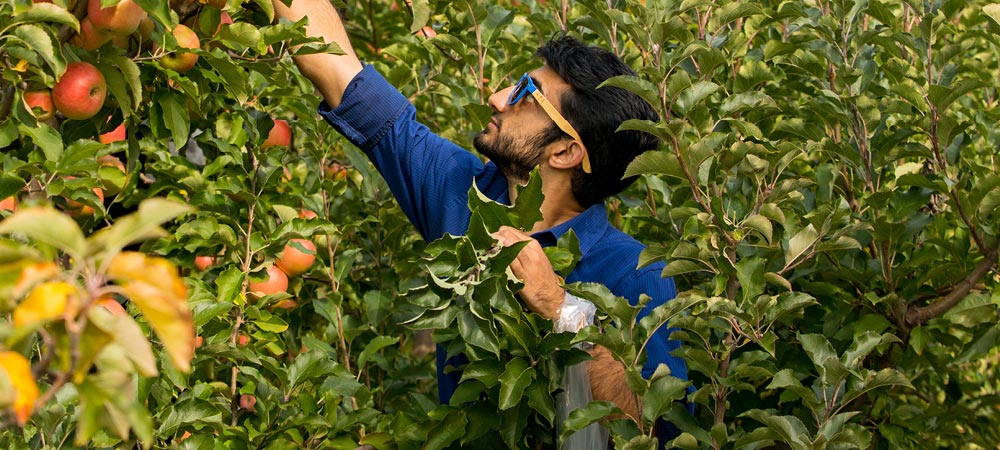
x=567, y=154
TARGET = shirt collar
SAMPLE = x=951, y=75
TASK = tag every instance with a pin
x=589, y=226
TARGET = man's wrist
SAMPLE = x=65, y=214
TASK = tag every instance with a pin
x=575, y=314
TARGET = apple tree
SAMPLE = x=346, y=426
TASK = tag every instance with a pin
x=191, y=258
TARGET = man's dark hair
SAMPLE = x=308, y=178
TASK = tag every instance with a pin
x=597, y=113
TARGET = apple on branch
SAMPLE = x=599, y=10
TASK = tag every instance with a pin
x=121, y=19
x=279, y=136
x=294, y=261
x=180, y=60
x=79, y=94
x=40, y=104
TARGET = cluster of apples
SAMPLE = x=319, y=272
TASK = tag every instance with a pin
x=80, y=92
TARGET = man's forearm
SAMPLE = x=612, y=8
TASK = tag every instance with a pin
x=329, y=73
x=607, y=382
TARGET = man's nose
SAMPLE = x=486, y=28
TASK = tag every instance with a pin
x=498, y=101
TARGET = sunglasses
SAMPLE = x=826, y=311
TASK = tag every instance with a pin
x=524, y=86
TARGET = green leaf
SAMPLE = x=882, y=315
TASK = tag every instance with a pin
x=235, y=77
x=750, y=272
x=514, y=380
x=638, y=86
x=477, y=333
x=761, y=225
x=656, y=162
x=990, y=201
x=790, y=429
x=664, y=390
x=421, y=14
x=527, y=208
x=800, y=244
x=239, y=36
x=47, y=13
x=592, y=413
x=738, y=103
x=863, y=345
x=46, y=138
x=130, y=75
x=45, y=45
x=230, y=284
x=10, y=185
x=47, y=226
x=310, y=365
x=992, y=12
x=943, y=96
x=376, y=344
x=694, y=96
x=541, y=400
x=142, y=225
x=175, y=117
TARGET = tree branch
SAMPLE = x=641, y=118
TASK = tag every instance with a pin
x=916, y=316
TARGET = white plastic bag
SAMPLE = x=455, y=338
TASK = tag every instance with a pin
x=576, y=394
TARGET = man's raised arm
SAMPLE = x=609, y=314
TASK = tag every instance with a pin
x=329, y=73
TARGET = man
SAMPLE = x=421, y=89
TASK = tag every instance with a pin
x=555, y=119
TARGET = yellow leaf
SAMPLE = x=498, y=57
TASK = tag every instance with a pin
x=47, y=301
x=155, y=286
x=34, y=273
x=25, y=389
x=22, y=66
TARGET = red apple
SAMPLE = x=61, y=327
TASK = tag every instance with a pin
x=427, y=32
x=247, y=402
x=121, y=19
x=307, y=214
x=335, y=171
x=40, y=103
x=90, y=38
x=180, y=60
x=294, y=261
x=279, y=136
x=79, y=94
x=203, y=262
x=118, y=134
x=77, y=209
x=113, y=306
x=276, y=282
x=242, y=340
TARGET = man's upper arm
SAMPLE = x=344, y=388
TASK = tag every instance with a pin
x=429, y=175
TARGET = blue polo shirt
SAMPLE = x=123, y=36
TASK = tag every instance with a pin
x=431, y=177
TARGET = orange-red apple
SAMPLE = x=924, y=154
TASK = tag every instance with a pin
x=113, y=306
x=294, y=261
x=118, y=134
x=77, y=209
x=307, y=214
x=40, y=103
x=121, y=19
x=276, y=282
x=247, y=402
x=90, y=38
x=180, y=60
x=279, y=136
x=203, y=262
x=79, y=94
x=9, y=204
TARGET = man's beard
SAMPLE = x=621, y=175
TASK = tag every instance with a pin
x=515, y=158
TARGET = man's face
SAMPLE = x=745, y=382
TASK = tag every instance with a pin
x=517, y=135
